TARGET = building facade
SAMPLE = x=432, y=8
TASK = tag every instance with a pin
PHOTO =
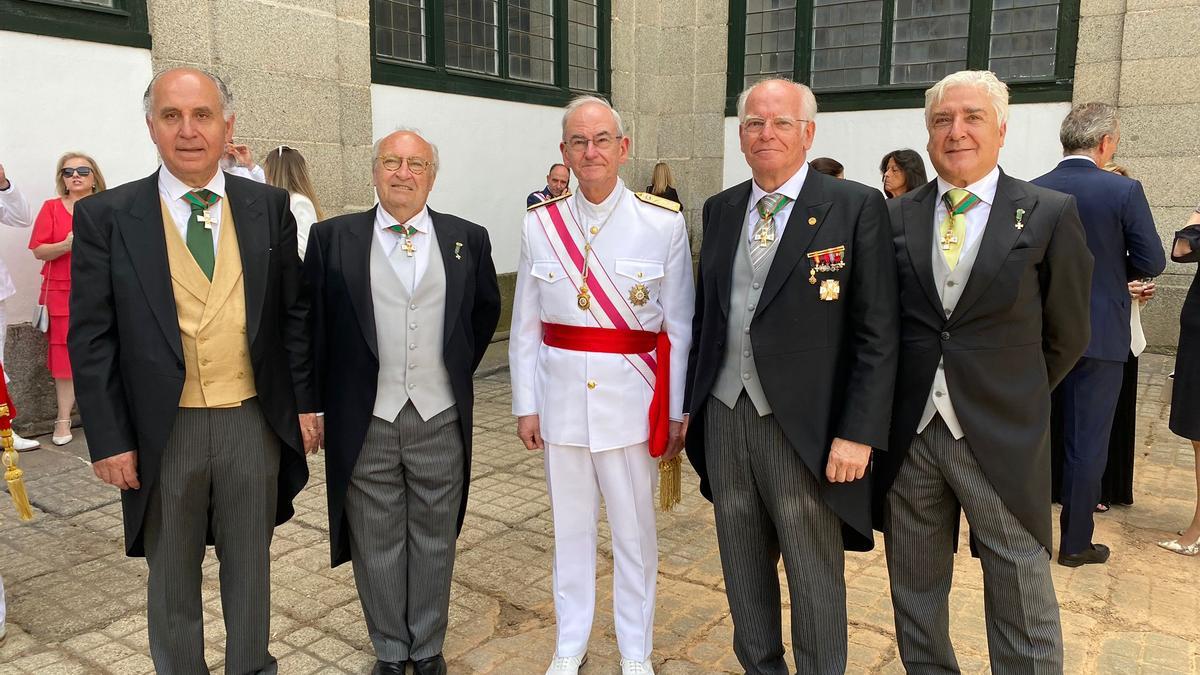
x=484, y=80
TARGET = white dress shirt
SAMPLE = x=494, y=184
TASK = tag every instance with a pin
x=790, y=189
x=305, y=214
x=14, y=212
x=408, y=269
x=254, y=173
x=172, y=190
x=939, y=400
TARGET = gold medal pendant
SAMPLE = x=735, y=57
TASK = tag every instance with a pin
x=812, y=275
x=583, y=300
x=639, y=295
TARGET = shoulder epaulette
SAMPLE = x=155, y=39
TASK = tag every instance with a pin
x=659, y=201
x=564, y=195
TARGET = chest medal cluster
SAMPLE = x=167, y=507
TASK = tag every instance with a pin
x=827, y=261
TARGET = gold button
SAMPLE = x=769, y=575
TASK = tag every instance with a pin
x=812, y=221
x=595, y=229
x=552, y=275
x=591, y=384
x=639, y=275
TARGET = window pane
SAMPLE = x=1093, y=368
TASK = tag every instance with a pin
x=93, y=3
x=929, y=39
x=770, y=39
x=400, y=29
x=1024, y=33
x=474, y=45
x=846, y=42
x=531, y=40
x=582, y=39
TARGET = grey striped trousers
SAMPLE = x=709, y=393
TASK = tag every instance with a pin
x=768, y=505
x=1024, y=634
x=402, y=508
x=220, y=469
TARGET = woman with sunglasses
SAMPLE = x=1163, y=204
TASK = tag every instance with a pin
x=285, y=168
x=77, y=176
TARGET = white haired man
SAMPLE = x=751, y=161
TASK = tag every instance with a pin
x=600, y=335
x=994, y=272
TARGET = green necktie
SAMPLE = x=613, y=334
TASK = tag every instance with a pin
x=199, y=230
x=953, y=230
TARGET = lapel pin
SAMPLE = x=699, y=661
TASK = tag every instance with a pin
x=1020, y=217
x=812, y=220
x=457, y=248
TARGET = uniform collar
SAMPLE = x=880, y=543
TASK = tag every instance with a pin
x=421, y=221
x=598, y=212
x=984, y=188
x=176, y=189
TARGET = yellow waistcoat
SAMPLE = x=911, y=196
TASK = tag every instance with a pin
x=212, y=319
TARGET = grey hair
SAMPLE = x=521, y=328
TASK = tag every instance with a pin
x=808, y=102
x=986, y=80
x=1086, y=125
x=222, y=89
x=415, y=132
x=580, y=101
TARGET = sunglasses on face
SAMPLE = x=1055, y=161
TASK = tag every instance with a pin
x=69, y=171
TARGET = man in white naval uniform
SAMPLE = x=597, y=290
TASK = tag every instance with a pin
x=604, y=281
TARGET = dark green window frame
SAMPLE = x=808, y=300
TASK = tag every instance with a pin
x=435, y=76
x=885, y=96
x=126, y=23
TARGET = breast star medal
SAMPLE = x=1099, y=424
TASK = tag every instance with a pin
x=1020, y=217
x=639, y=294
x=830, y=289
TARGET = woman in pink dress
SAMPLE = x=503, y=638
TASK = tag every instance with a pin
x=77, y=176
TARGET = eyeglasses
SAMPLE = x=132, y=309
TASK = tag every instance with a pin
x=83, y=171
x=603, y=142
x=756, y=125
x=416, y=165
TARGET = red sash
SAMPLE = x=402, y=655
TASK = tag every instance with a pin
x=619, y=341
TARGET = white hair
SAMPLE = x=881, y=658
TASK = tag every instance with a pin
x=580, y=101
x=985, y=80
x=223, y=91
x=415, y=132
x=1086, y=125
x=808, y=102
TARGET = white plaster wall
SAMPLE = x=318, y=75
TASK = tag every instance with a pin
x=858, y=140
x=493, y=154
x=61, y=95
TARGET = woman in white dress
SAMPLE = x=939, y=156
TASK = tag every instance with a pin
x=285, y=168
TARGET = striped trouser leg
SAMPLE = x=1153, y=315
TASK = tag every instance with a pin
x=245, y=485
x=1024, y=632
x=922, y=512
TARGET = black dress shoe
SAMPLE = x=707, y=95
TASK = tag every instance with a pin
x=1096, y=555
x=389, y=668
x=434, y=665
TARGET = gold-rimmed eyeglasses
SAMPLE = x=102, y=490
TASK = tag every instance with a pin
x=756, y=125
x=416, y=165
x=603, y=142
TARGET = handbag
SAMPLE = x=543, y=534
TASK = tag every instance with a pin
x=41, y=315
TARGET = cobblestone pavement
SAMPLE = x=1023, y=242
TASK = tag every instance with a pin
x=77, y=605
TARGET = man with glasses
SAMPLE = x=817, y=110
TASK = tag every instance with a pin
x=790, y=380
x=405, y=302
x=600, y=334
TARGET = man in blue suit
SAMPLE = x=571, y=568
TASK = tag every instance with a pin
x=1122, y=239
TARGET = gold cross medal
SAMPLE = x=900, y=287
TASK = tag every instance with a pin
x=206, y=218
x=408, y=247
x=583, y=300
x=764, y=237
x=639, y=294
x=830, y=289
x=949, y=239
x=1020, y=216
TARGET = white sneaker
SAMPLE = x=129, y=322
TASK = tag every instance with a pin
x=631, y=667
x=566, y=665
x=22, y=444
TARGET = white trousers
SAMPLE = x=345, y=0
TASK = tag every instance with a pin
x=577, y=477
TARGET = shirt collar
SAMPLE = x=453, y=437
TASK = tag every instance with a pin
x=984, y=188
x=1080, y=157
x=790, y=188
x=421, y=221
x=176, y=189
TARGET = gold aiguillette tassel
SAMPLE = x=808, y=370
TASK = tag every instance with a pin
x=669, y=489
x=12, y=475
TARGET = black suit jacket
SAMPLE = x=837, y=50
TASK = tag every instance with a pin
x=1018, y=329
x=126, y=353
x=337, y=266
x=828, y=368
